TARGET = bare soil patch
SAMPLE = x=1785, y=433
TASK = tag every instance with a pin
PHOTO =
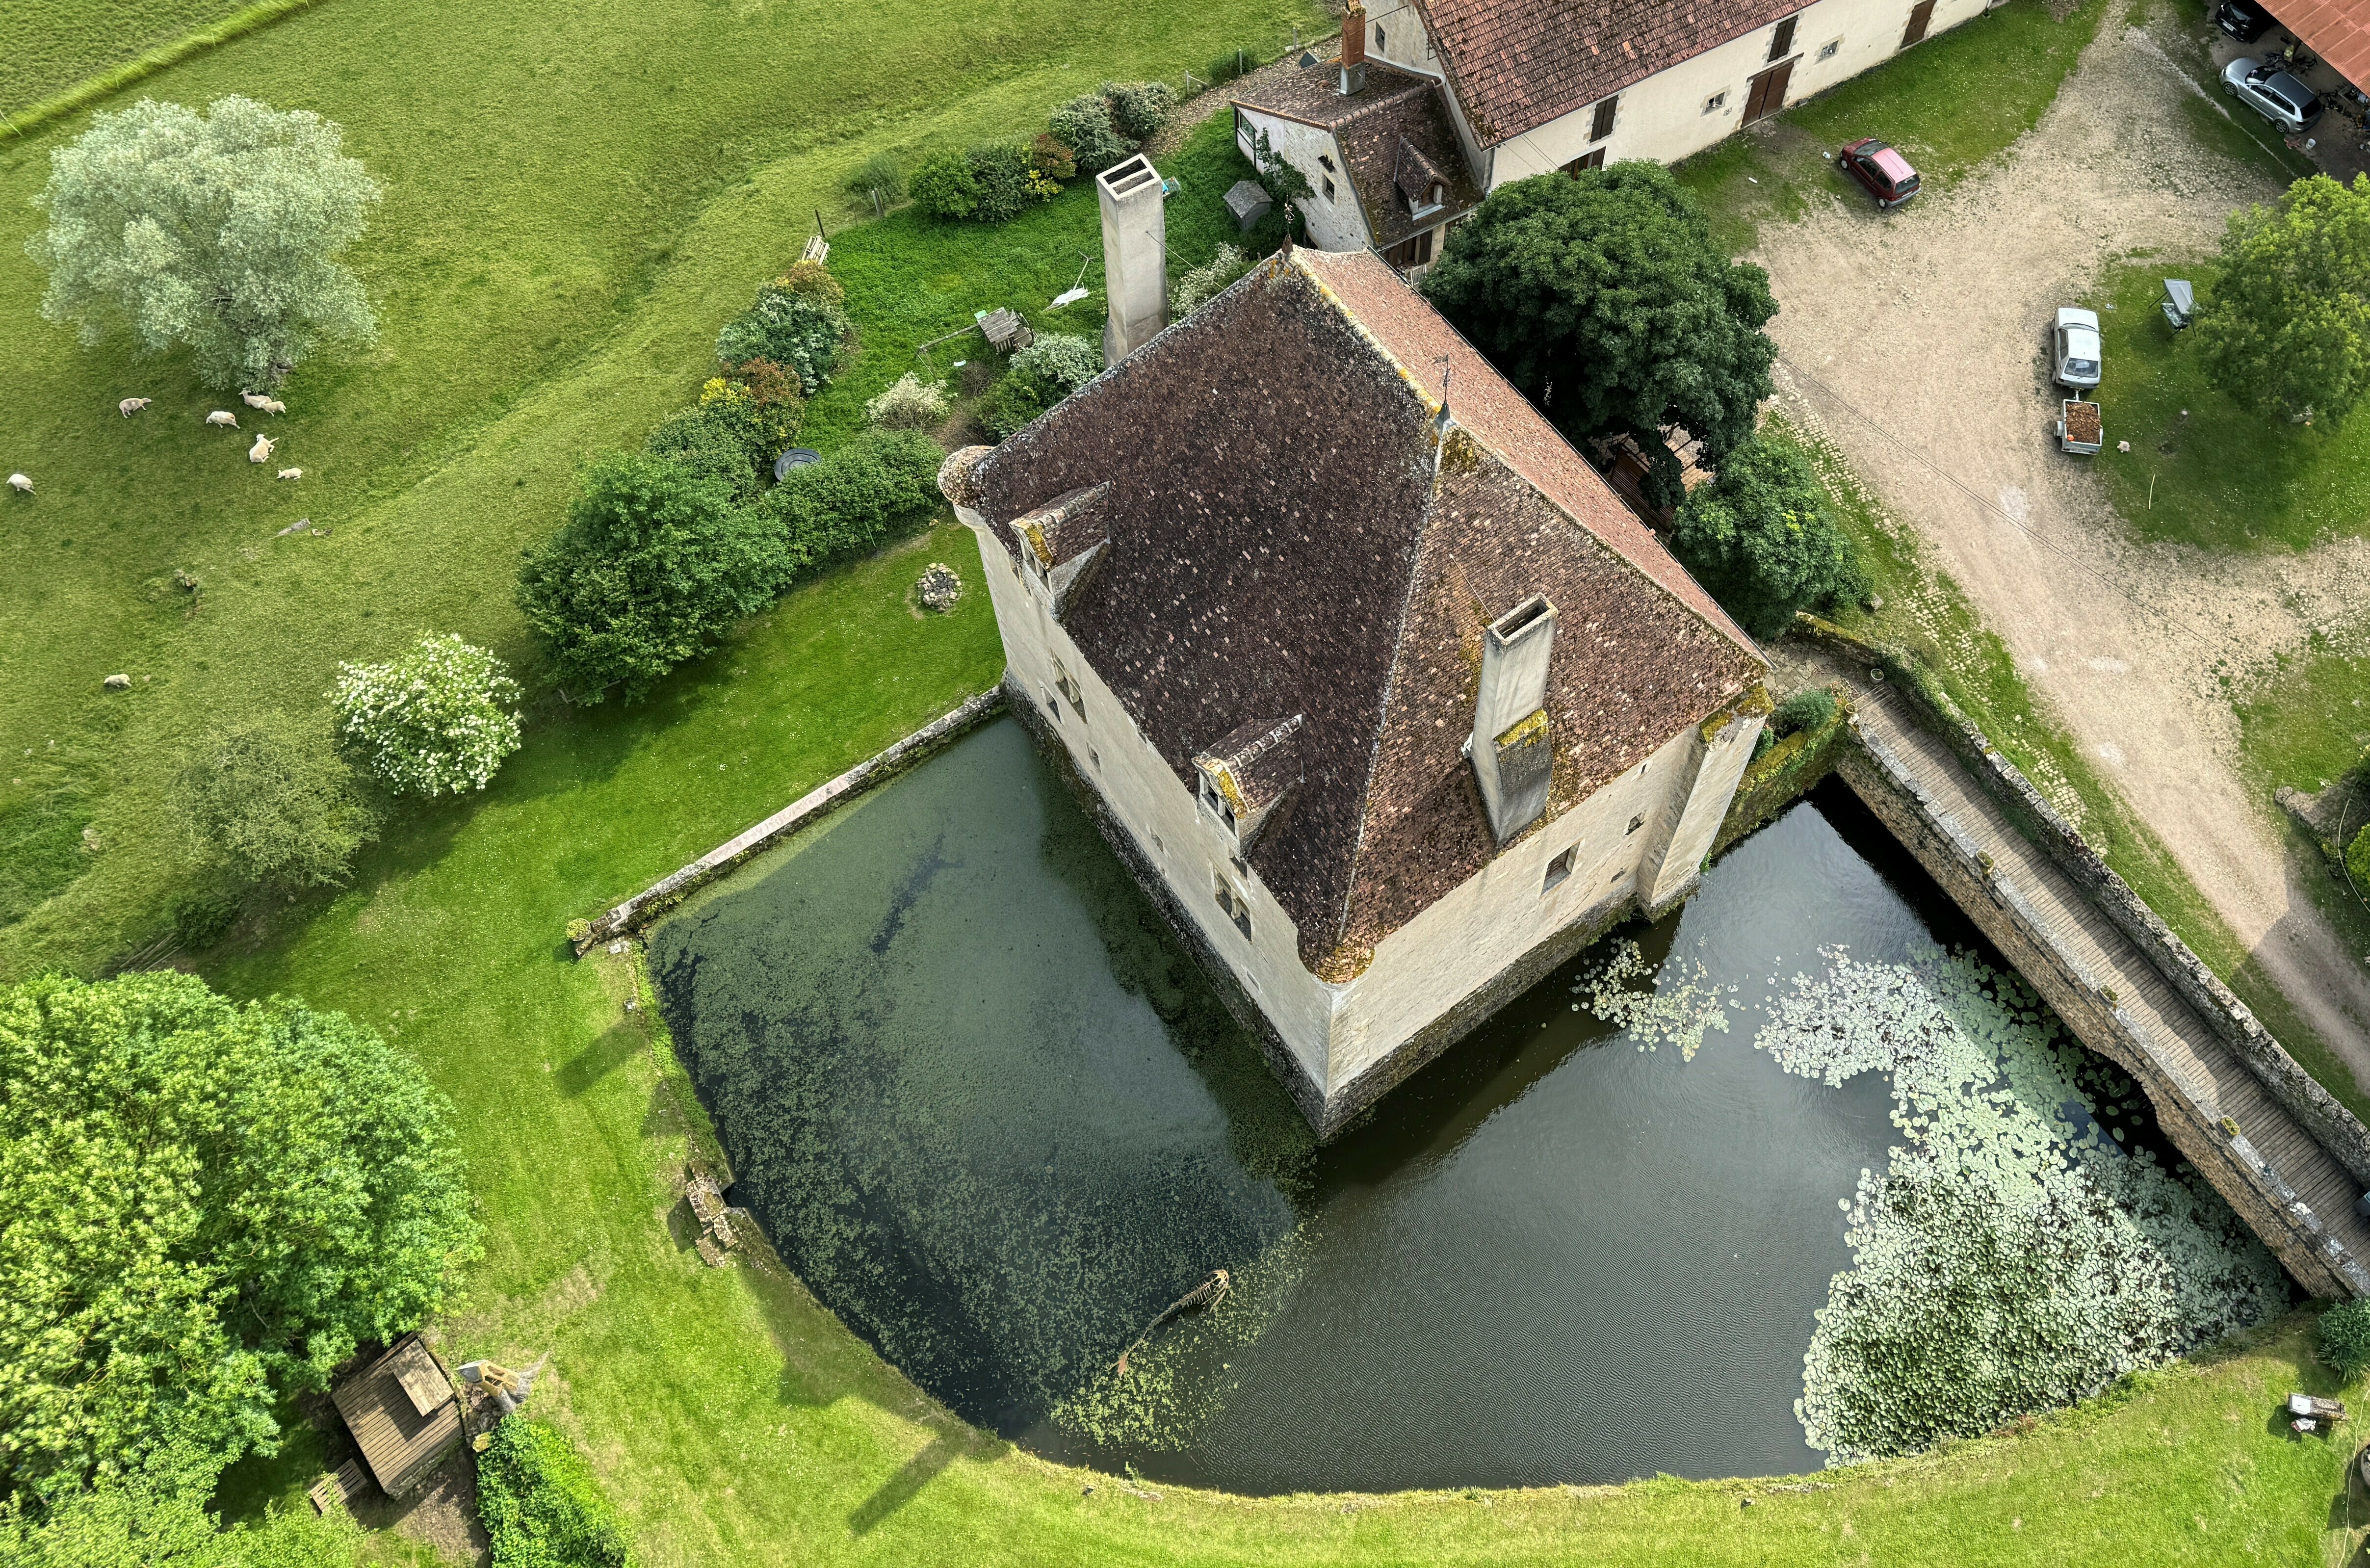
x=1914, y=340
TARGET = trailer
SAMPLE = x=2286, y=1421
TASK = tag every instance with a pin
x=2079, y=427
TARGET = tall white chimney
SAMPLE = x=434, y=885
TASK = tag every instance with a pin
x=1512, y=752
x=1135, y=256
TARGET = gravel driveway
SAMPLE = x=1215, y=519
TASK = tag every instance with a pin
x=1913, y=341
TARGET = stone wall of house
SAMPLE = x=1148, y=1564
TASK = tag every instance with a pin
x=1335, y=223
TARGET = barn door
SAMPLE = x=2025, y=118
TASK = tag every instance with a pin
x=1768, y=92
x=1918, y=18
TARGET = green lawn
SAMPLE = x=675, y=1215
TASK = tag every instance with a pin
x=1949, y=104
x=47, y=46
x=737, y=1421
x=576, y=201
x=2202, y=470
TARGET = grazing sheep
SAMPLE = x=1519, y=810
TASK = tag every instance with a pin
x=273, y=406
x=223, y=416
x=292, y=473
x=253, y=400
x=261, y=451
x=131, y=406
x=21, y=484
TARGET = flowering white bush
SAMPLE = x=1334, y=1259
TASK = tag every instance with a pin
x=435, y=722
x=910, y=404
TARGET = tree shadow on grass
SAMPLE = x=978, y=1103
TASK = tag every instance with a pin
x=611, y=1049
x=900, y=1488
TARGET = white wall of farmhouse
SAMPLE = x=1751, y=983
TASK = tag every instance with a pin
x=1637, y=840
x=1335, y=223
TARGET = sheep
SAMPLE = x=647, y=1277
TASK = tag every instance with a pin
x=131, y=406
x=223, y=416
x=253, y=400
x=261, y=451
x=21, y=484
x=273, y=406
x=292, y=473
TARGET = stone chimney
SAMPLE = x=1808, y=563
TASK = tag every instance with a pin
x=1512, y=752
x=1135, y=255
x=1354, y=48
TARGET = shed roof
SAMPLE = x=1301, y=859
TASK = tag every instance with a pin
x=403, y=1413
x=2337, y=30
x=1292, y=533
x=1516, y=64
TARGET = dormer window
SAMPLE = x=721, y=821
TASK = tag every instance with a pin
x=1216, y=800
x=1433, y=197
x=1246, y=776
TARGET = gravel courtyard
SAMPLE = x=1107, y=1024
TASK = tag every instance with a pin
x=1914, y=340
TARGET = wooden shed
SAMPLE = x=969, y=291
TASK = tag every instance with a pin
x=403, y=1413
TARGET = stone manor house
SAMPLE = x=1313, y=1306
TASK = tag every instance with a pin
x=1384, y=695
x=1432, y=104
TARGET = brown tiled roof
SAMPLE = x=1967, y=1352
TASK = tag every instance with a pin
x=1396, y=115
x=1290, y=535
x=382, y=1407
x=1516, y=64
x=2337, y=30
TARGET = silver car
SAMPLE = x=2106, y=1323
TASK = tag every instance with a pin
x=2074, y=346
x=2288, y=104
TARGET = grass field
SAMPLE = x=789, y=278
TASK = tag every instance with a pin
x=46, y=46
x=2202, y=470
x=1951, y=103
x=575, y=202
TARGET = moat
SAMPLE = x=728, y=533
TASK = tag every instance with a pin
x=994, y=1118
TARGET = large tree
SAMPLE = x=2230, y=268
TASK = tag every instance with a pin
x=2285, y=329
x=268, y=800
x=1604, y=300
x=1760, y=537
x=218, y=232
x=209, y=1205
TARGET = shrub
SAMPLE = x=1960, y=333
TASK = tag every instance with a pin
x=1203, y=283
x=767, y=423
x=2357, y=858
x=210, y=1205
x=813, y=279
x=855, y=496
x=1760, y=538
x=715, y=441
x=271, y=801
x=1085, y=126
x=1139, y=109
x=945, y=187
x=2345, y=1338
x=2285, y=329
x=910, y=404
x=1002, y=173
x=800, y=332
x=1039, y=376
x=655, y=564
x=540, y=1504
x=138, y=1527
x=435, y=722
x=1053, y=156
x=1809, y=710
x=879, y=172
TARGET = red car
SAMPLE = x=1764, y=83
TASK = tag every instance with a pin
x=1882, y=169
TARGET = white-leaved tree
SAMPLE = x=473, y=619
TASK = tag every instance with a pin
x=218, y=232
x=436, y=722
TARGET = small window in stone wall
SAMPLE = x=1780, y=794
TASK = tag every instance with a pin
x=1635, y=824
x=1053, y=705
x=1094, y=756
x=1715, y=103
x=1232, y=902
x=1827, y=49
x=1328, y=191
x=1559, y=869
x=1382, y=46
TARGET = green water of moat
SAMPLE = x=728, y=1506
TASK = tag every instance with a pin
x=994, y=1118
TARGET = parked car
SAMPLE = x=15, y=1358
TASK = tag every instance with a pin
x=2288, y=104
x=2074, y=346
x=1882, y=168
x=2244, y=20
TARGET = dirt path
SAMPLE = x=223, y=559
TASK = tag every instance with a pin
x=1915, y=341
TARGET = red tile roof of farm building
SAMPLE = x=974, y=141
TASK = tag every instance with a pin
x=2337, y=30
x=1291, y=535
x=1517, y=64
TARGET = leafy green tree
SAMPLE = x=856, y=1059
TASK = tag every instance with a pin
x=1604, y=300
x=269, y=801
x=1040, y=375
x=1085, y=126
x=219, y=232
x=653, y=567
x=1140, y=108
x=117, y=1527
x=798, y=330
x=1760, y=537
x=542, y=1506
x=438, y=721
x=852, y=499
x=945, y=186
x=2285, y=329
x=209, y=1206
